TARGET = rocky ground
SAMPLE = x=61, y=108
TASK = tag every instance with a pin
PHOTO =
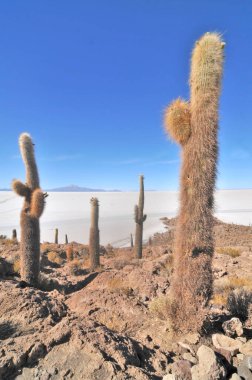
x=113, y=323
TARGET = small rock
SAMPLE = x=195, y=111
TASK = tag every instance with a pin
x=186, y=347
x=182, y=370
x=189, y=357
x=244, y=372
x=233, y=327
x=209, y=367
x=246, y=348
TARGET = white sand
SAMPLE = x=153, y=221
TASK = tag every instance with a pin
x=69, y=212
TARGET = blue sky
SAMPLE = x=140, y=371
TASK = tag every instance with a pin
x=90, y=80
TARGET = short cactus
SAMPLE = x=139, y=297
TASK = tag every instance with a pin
x=139, y=219
x=34, y=202
x=131, y=241
x=94, y=236
x=195, y=125
x=14, y=234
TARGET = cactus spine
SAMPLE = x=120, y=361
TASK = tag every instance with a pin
x=56, y=236
x=139, y=219
x=94, y=236
x=195, y=125
x=34, y=201
x=66, y=239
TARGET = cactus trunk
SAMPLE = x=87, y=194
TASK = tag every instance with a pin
x=94, y=237
x=139, y=219
x=192, y=281
x=34, y=201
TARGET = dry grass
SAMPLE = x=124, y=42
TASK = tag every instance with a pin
x=223, y=291
x=54, y=257
x=220, y=299
x=161, y=307
x=232, y=252
x=119, y=286
x=112, y=321
x=17, y=265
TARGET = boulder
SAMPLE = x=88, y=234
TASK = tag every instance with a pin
x=244, y=372
x=233, y=327
x=209, y=367
x=228, y=347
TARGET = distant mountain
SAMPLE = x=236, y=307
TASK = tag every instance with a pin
x=78, y=189
x=74, y=188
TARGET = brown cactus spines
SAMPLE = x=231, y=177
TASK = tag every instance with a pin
x=139, y=219
x=94, y=236
x=34, y=201
x=56, y=236
x=192, y=280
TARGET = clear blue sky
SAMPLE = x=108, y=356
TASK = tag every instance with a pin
x=90, y=80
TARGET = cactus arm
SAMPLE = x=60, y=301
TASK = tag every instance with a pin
x=20, y=188
x=37, y=203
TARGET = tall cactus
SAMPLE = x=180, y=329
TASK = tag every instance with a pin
x=195, y=126
x=94, y=236
x=139, y=219
x=34, y=201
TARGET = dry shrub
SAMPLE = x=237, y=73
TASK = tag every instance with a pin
x=239, y=303
x=69, y=253
x=161, y=307
x=54, y=257
x=75, y=267
x=232, y=252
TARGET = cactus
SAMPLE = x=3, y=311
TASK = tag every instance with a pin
x=66, y=239
x=195, y=125
x=69, y=253
x=14, y=234
x=34, y=202
x=56, y=236
x=139, y=219
x=131, y=241
x=94, y=237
